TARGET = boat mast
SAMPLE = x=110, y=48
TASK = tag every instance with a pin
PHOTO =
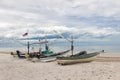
x=40, y=46
x=72, y=47
x=71, y=41
x=28, y=47
x=46, y=45
x=28, y=42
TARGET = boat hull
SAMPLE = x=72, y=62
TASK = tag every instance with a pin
x=77, y=59
x=55, y=54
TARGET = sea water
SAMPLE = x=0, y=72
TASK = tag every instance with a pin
x=64, y=45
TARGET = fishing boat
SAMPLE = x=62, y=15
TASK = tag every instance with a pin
x=45, y=54
x=41, y=53
x=55, y=54
x=45, y=58
x=77, y=58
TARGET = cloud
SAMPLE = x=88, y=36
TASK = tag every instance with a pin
x=78, y=32
x=91, y=19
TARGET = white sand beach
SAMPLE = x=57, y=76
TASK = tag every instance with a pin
x=12, y=68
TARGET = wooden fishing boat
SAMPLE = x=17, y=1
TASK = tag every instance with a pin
x=40, y=55
x=46, y=58
x=54, y=54
x=77, y=58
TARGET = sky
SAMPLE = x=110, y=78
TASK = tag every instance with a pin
x=86, y=20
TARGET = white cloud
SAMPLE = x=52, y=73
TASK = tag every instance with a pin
x=44, y=16
x=42, y=30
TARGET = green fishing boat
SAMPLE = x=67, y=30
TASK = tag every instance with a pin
x=77, y=58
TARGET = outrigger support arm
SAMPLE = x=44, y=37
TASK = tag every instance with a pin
x=71, y=41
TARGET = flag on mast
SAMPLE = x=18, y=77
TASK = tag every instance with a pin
x=25, y=34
